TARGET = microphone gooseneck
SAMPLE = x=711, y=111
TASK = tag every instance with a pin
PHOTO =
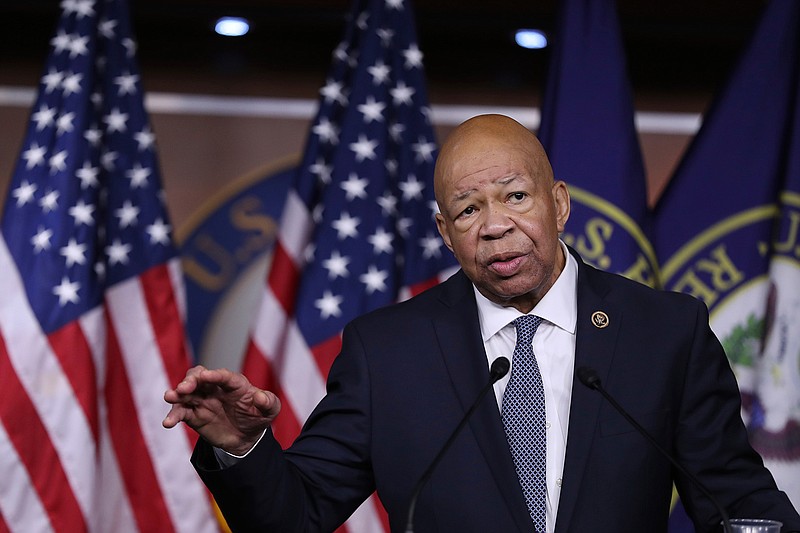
x=498, y=369
x=588, y=376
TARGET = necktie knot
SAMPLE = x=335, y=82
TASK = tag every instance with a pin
x=526, y=328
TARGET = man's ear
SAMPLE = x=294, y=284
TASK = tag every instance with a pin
x=562, y=204
x=441, y=225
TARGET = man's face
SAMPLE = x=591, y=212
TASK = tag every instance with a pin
x=501, y=216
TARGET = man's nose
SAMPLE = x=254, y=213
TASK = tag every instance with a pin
x=496, y=222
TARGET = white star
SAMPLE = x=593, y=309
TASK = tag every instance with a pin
x=127, y=83
x=84, y=8
x=58, y=162
x=388, y=204
x=118, y=252
x=145, y=139
x=106, y=28
x=402, y=94
x=52, y=80
x=412, y=188
x=321, y=170
x=381, y=241
x=431, y=244
x=74, y=253
x=72, y=83
x=60, y=42
x=379, y=72
x=130, y=46
x=64, y=123
x=327, y=131
x=336, y=265
x=49, y=202
x=316, y=213
x=34, y=156
x=77, y=46
x=159, y=232
x=340, y=52
x=374, y=279
x=127, y=214
x=24, y=193
x=354, y=187
x=67, y=292
x=424, y=150
x=107, y=159
x=97, y=99
x=413, y=56
x=364, y=148
x=362, y=19
x=116, y=121
x=82, y=213
x=333, y=92
x=328, y=305
x=396, y=131
x=394, y=4
x=41, y=241
x=138, y=175
x=346, y=226
x=88, y=175
x=403, y=225
x=391, y=166
x=372, y=110
x=44, y=117
x=386, y=36
x=93, y=135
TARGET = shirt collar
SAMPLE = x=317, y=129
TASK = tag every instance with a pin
x=559, y=306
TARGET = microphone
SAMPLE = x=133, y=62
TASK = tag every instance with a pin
x=499, y=369
x=589, y=378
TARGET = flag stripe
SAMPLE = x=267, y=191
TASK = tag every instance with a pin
x=283, y=278
x=325, y=352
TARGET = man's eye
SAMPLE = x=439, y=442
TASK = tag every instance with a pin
x=518, y=196
x=468, y=211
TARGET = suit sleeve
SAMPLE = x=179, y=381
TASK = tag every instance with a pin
x=321, y=479
x=712, y=442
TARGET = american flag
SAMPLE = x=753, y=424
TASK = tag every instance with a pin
x=91, y=315
x=358, y=229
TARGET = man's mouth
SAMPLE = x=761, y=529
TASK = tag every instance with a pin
x=506, y=265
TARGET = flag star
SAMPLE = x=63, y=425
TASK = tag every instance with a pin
x=340, y=52
x=130, y=46
x=333, y=91
x=117, y=252
x=127, y=214
x=61, y=41
x=34, y=156
x=88, y=175
x=64, y=123
x=394, y=4
x=159, y=232
x=413, y=56
x=84, y=8
x=379, y=72
x=402, y=93
x=107, y=159
x=72, y=83
x=388, y=204
x=83, y=213
x=317, y=212
x=52, y=80
x=403, y=225
x=138, y=175
x=309, y=252
x=374, y=279
x=424, y=150
x=107, y=27
x=93, y=135
x=381, y=241
x=44, y=117
x=372, y=110
x=327, y=131
x=336, y=265
x=49, y=202
x=74, y=252
x=328, y=305
x=97, y=99
x=321, y=170
x=354, y=187
x=412, y=188
x=127, y=83
x=100, y=270
x=362, y=19
x=431, y=245
x=24, y=193
x=396, y=131
x=391, y=166
x=77, y=46
x=364, y=148
x=116, y=120
x=58, y=162
x=346, y=226
x=67, y=292
x=41, y=241
x=386, y=35
x=145, y=138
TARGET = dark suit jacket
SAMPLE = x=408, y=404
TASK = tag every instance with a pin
x=407, y=374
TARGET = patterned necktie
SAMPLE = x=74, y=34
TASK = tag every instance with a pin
x=524, y=421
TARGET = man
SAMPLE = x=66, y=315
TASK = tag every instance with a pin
x=407, y=374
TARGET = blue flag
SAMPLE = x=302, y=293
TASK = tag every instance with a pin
x=589, y=133
x=726, y=232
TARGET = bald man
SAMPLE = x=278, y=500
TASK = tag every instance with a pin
x=407, y=374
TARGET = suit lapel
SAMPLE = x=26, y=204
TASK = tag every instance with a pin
x=458, y=332
x=594, y=348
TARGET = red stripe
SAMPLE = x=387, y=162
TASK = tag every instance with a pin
x=283, y=278
x=325, y=352
x=286, y=426
x=3, y=526
x=423, y=286
x=36, y=451
x=73, y=352
x=133, y=458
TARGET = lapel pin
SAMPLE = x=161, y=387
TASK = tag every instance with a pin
x=599, y=319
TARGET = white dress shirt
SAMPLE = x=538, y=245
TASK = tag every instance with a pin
x=554, y=348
